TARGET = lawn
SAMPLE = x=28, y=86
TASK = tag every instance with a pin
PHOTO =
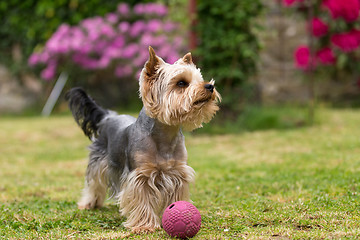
x=296, y=183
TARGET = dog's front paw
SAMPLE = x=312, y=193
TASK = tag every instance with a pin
x=85, y=206
x=90, y=202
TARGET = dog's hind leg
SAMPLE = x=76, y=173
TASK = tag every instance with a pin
x=96, y=182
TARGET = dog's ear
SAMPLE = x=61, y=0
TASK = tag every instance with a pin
x=153, y=62
x=187, y=59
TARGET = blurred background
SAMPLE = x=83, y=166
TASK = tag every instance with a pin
x=274, y=62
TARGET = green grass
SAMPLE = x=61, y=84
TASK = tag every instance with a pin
x=296, y=183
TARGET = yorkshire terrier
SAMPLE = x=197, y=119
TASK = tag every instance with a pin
x=143, y=161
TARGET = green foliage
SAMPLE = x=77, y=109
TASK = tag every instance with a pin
x=228, y=48
x=29, y=23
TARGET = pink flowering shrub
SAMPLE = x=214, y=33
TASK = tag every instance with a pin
x=303, y=59
x=117, y=42
x=335, y=30
x=318, y=28
x=289, y=3
x=347, y=41
x=346, y=9
x=325, y=56
x=302, y=56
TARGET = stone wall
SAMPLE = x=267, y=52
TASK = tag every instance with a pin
x=278, y=79
x=17, y=92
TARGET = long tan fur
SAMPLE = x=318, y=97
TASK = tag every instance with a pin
x=150, y=188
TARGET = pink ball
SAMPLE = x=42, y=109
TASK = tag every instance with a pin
x=181, y=219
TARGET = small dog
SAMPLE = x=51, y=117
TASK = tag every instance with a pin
x=143, y=161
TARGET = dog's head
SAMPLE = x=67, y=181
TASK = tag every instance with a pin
x=176, y=94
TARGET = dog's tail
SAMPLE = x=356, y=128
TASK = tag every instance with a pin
x=86, y=112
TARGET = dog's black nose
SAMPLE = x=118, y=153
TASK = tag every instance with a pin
x=209, y=87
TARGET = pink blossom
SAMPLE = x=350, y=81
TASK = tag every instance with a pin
x=326, y=56
x=99, y=42
x=112, y=17
x=172, y=57
x=137, y=28
x=151, y=9
x=289, y=3
x=347, y=9
x=88, y=63
x=103, y=62
x=154, y=25
x=76, y=44
x=123, y=9
x=348, y=41
x=34, y=59
x=95, y=27
x=156, y=9
x=165, y=50
x=91, y=23
x=139, y=9
x=318, y=27
x=49, y=72
x=169, y=26
x=159, y=41
x=114, y=49
x=78, y=58
x=61, y=31
x=130, y=50
x=161, y=10
x=100, y=46
x=112, y=52
x=86, y=47
x=76, y=32
x=141, y=59
x=93, y=35
x=355, y=33
x=302, y=57
x=44, y=57
x=76, y=38
x=147, y=39
x=118, y=42
x=58, y=45
x=123, y=71
x=107, y=31
x=123, y=27
x=178, y=42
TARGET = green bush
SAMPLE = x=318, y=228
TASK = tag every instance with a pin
x=228, y=48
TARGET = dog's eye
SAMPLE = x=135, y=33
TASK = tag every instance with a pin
x=182, y=84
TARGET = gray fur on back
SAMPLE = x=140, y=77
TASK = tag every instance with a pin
x=121, y=136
